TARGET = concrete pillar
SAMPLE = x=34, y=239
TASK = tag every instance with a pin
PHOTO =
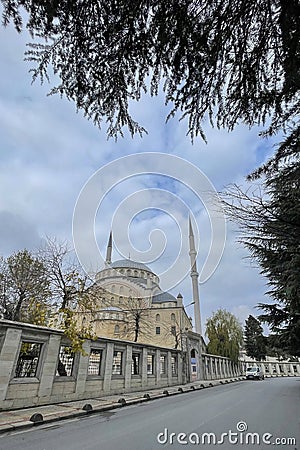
x=49, y=367
x=128, y=365
x=108, y=366
x=227, y=369
x=212, y=372
x=169, y=368
x=215, y=368
x=8, y=357
x=82, y=368
x=231, y=369
x=270, y=369
x=222, y=368
x=157, y=367
x=179, y=368
x=277, y=369
x=144, y=367
x=204, y=371
x=292, y=369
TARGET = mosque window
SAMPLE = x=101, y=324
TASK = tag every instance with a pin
x=65, y=363
x=157, y=330
x=150, y=364
x=95, y=362
x=135, y=365
x=157, y=318
x=117, y=329
x=174, y=365
x=173, y=317
x=163, y=364
x=28, y=359
x=117, y=367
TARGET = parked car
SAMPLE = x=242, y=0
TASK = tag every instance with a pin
x=254, y=373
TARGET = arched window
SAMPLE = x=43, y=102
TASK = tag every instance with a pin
x=172, y=317
x=83, y=321
x=117, y=329
x=157, y=318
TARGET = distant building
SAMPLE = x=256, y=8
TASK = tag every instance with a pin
x=132, y=306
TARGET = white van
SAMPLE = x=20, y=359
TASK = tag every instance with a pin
x=254, y=373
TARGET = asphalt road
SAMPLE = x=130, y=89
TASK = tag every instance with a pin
x=247, y=414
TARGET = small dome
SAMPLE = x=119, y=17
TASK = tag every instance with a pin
x=163, y=297
x=129, y=264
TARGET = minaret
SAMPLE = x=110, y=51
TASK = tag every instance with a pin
x=109, y=251
x=194, y=276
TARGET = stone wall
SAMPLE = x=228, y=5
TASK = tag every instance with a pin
x=31, y=359
x=37, y=367
x=275, y=368
x=218, y=367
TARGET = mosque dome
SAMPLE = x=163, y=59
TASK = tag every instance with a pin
x=129, y=264
x=163, y=297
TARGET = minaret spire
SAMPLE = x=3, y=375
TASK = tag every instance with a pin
x=109, y=250
x=194, y=276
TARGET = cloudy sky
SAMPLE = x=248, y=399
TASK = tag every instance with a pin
x=50, y=155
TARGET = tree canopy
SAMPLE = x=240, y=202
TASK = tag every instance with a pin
x=255, y=342
x=230, y=61
x=46, y=289
x=269, y=219
x=225, y=334
x=24, y=288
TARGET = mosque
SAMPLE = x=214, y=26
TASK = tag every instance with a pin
x=132, y=306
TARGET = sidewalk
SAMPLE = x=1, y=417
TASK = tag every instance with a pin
x=28, y=417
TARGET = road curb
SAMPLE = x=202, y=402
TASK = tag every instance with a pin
x=171, y=391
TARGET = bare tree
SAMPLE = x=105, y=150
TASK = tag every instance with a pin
x=71, y=291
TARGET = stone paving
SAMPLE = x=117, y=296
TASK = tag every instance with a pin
x=28, y=417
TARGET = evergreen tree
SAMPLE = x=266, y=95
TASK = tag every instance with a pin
x=230, y=61
x=269, y=220
x=225, y=334
x=254, y=339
